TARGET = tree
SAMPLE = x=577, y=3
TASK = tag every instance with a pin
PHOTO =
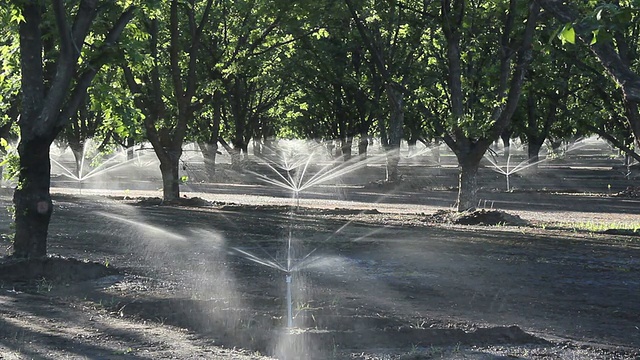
x=165, y=88
x=482, y=92
x=48, y=105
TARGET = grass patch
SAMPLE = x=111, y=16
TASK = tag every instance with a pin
x=610, y=227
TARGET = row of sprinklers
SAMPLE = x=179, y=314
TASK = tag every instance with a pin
x=91, y=162
x=507, y=167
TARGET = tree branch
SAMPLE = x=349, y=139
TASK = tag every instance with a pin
x=85, y=79
x=624, y=76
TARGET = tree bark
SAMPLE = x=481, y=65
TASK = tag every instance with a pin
x=467, y=185
x=392, y=161
x=76, y=144
x=363, y=145
x=33, y=205
x=506, y=142
x=396, y=122
x=346, y=146
x=395, y=97
x=130, y=151
x=169, y=168
x=533, y=151
x=209, y=152
x=411, y=145
x=32, y=200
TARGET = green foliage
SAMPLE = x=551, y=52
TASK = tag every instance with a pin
x=600, y=21
x=568, y=35
x=303, y=70
x=10, y=163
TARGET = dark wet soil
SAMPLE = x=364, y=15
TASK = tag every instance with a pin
x=476, y=217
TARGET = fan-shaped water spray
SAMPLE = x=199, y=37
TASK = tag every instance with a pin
x=92, y=163
x=508, y=169
x=297, y=168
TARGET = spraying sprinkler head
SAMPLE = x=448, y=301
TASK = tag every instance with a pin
x=288, y=279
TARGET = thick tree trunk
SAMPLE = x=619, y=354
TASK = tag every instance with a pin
x=267, y=146
x=467, y=185
x=169, y=168
x=209, y=152
x=533, y=151
x=32, y=199
x=46, y=112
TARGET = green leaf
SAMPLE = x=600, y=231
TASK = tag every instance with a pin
x=594, y=39
x=568, y=34
x=16, y=16
x=322, y=33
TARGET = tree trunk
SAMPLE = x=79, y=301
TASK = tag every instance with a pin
x=411, y=144
x=257, y=148
x=236, y=159
x=209, y=152
x=130, y=145
x=169, y=168
x=346, y=148
x=32, y=199
x=46, y=112
x=78, y=155
x=533, y=151
x=363, y=144
x=467, y=185
x=436, y=152
x=506, y=143
x=393, y=159
x=396, y=123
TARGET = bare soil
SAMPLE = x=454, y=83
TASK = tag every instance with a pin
x=389, y=274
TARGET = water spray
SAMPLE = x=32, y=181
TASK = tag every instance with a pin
x=294, y=174
x=288, y=279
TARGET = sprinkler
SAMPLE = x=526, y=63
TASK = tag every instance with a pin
x=288, y=279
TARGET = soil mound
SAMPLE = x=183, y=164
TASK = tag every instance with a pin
x=54, y=268
x=477, y=217
x=183, y=201
x=625, y=232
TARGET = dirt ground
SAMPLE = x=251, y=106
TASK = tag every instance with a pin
x=378, y=273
